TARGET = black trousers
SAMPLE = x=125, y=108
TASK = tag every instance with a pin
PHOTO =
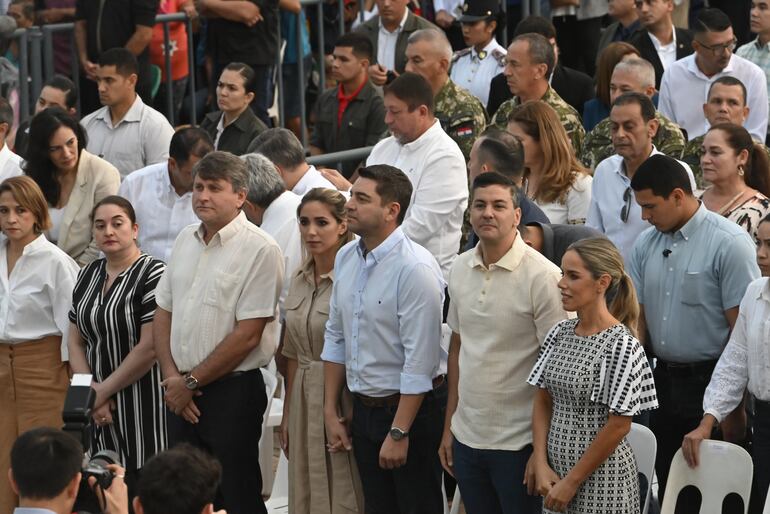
x=760, y=453
x=229, y=428
x=578, y=42
x=414, y=488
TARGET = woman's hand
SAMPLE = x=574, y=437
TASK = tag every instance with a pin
x=283, y=435
x=102, y=415
x=544, y=476
x=560, y=495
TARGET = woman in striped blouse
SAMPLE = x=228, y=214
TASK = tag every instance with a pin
x=113, y=305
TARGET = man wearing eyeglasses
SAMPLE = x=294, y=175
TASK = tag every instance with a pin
x=685, y=83
x=758, y=51
x=613, y=210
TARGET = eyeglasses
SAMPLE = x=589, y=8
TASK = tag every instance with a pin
x=628, y=197
x=720, y=49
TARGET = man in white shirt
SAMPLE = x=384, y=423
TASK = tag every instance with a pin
x=274, y=209
x=685, y=84
x=489, y=459
x=613, y=210
x=432, y=161
x=162, y=193
x=125, y=132
x=215, y=301
x=282, y=147
x=388, y=33
x=10, y=163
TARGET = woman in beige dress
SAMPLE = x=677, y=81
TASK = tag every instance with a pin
x=319, y=482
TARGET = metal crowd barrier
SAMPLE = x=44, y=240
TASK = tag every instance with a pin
x=337, y=158
x=36, y=61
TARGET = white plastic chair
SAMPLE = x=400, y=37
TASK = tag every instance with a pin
x=456, y=501
x=645, y=446
x=279, y=498
x=266, y=439
x=723, y=468
x=766, y=510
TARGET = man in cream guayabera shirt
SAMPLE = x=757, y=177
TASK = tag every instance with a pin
x=216, y=303
x=496, y=338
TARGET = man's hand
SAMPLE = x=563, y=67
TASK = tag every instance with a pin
x=191, y=413
x=444, y=19
x=251, y=14
x=336, y=178
x=445, y=452
x=544, y=476
x=177, y=395
x=378, y=74
x=89, y=68
x=393, y=453
x=337, y=436
x=115, y=497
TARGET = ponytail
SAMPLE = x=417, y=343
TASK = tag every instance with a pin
x=624, y=305
x=758, y=172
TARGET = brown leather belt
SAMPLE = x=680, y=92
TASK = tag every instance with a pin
x=393, y=399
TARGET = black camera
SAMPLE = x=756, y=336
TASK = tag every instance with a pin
x=96, y=467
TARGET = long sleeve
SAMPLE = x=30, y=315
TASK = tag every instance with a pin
x=594, y=217
x=665, y=104
x=61, y=299
x=334, y=337
x=756, y=122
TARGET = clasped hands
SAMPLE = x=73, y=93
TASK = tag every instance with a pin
x=179, y=398
x=541, y=479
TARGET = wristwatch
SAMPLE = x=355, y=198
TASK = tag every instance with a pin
x=397, y=434
x=190, y=382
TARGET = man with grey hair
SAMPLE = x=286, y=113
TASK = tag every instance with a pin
x=529, y=64
x=463, y=118
x=10, y=163
x=637, y=75
x=216, y=304
x=274, y=209
x=282, y=147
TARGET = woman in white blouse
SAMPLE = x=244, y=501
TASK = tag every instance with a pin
x=744, y=364
x=554, y=177
x=72, y=180
x=36, y=282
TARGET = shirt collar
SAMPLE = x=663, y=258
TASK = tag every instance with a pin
x=400, y=25
x=759, y=46
x=35, y=245
x=424, y=138
x=621, y=169
x=134, y=114
x=509, y=262
x=225, y=233
x=764, y=291
x=276, y=206
x=32, y=510
x=692, y=67
x=384, y=248
x=307, y=271
x=5, y=154
x=656, y=42
x=311, y=172
x=694, y=223
x=488, y=49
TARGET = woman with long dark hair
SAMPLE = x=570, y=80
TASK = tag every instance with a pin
x=72, y=180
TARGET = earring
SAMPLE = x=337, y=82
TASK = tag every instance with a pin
x=741, y=171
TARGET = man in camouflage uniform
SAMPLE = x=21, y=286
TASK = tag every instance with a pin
x=636, y=75
x=463, y=118
x=726, y=103
x=530, y=62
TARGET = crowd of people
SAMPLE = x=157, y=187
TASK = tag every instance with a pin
x=491, y=297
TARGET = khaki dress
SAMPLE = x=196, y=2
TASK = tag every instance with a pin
x=319, y=482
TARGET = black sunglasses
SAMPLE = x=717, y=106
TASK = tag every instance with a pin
x=628, y=197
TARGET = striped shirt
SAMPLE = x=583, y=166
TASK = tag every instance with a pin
x=110, y=324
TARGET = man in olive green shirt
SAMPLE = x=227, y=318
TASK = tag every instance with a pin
x=463, y=118
x=352, y=115
x=529, y=64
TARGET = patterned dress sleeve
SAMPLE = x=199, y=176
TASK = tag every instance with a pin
x=154, y=271
x=625, y=382
x=549, y=343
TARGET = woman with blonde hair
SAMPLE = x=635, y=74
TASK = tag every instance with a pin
x=739, y=172
x=319, y=481
x=554, y=178
x=593, y=369
x=36, y=282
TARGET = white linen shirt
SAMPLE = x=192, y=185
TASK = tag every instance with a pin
x=386, y=43
x=142, y=137
x=160, y=212
x=666, y=53
x=608, y=188
x=209, y=287
x=745, y=360
x=310, y=180
x=35, y=299
x=684, y=90
x=280, y=221
x=10, y=163
x=502, y=313
x=436, y=167
x=575, y=208
x=475, y=74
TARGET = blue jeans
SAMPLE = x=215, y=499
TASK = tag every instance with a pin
x=490, y=481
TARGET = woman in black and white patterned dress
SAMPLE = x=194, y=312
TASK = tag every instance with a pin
x=593, y=377
x=113, y=306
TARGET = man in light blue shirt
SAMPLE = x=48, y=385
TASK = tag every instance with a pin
x=383, y=339
x=691, y=270
x=45, y=474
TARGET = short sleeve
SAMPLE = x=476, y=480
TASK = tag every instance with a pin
x=550, y=342
x=294, y=300
x=83, y=278
x=738, y=268
x=154, y=272
x=625, y=381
